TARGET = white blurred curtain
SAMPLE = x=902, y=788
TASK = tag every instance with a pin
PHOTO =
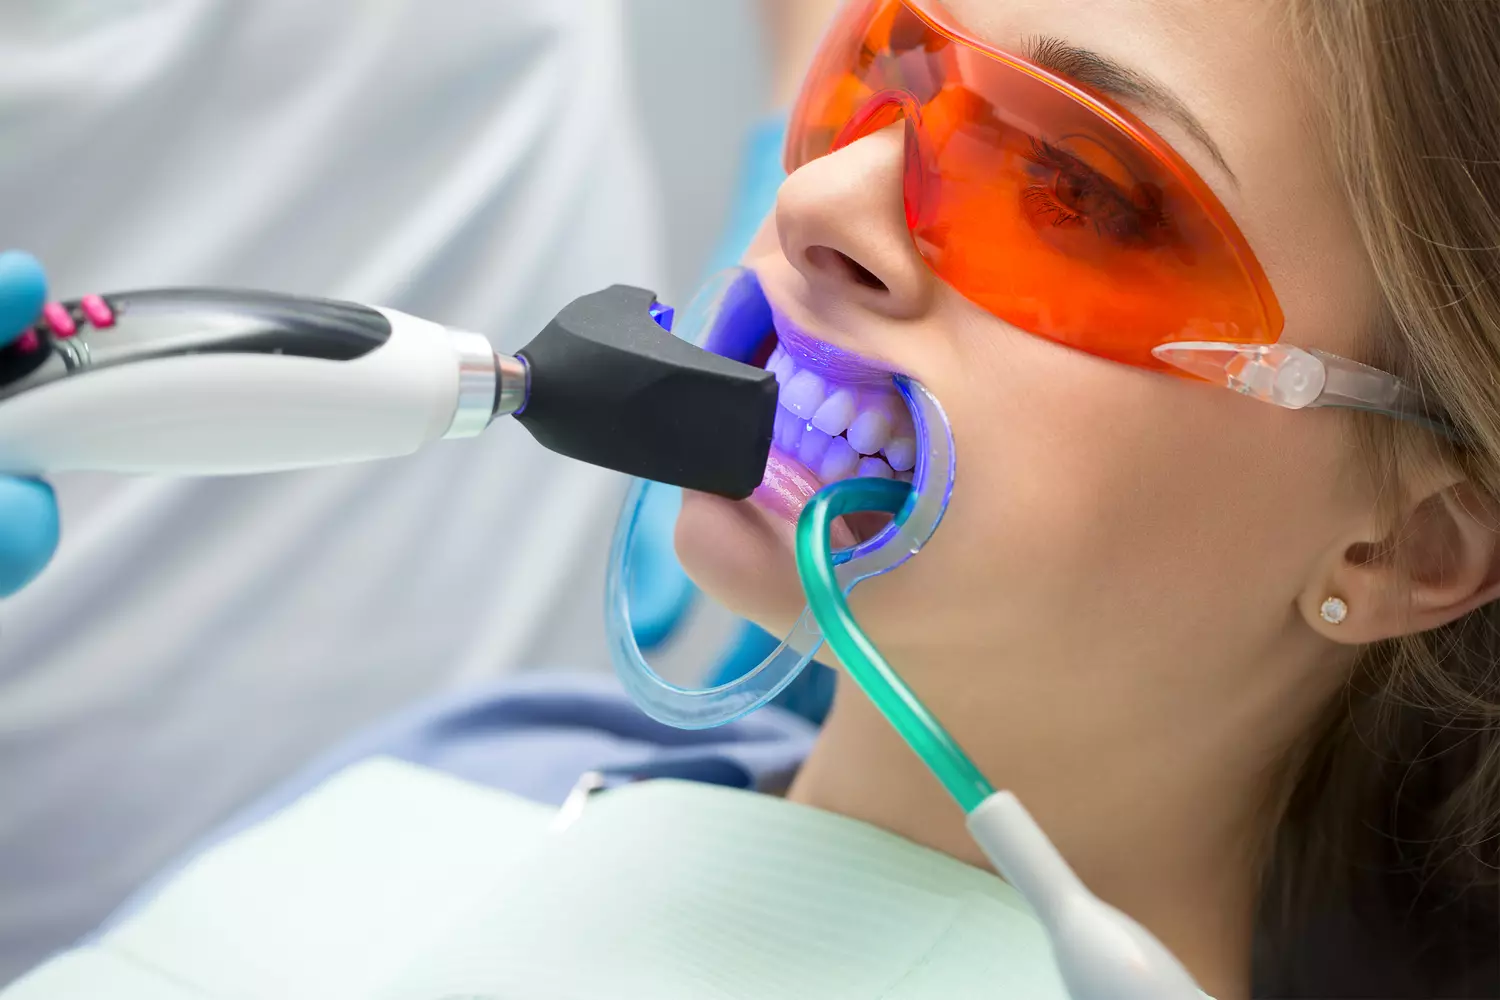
x=479, y=162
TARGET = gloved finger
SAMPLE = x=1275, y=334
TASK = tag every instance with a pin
x=28, y=531
x=23, y=292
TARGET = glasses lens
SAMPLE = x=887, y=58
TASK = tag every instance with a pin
x=1055, y=212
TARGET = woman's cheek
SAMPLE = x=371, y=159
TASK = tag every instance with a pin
x=738, y=561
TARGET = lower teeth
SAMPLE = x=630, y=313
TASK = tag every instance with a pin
x=830, y=458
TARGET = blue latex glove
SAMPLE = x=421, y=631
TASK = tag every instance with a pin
x=28, y=510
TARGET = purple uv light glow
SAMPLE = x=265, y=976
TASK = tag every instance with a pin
x=827, y=361
x=663, y=314
x=736, y=320
x=739, y=317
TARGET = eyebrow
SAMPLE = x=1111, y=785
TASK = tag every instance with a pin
x=1101, y=73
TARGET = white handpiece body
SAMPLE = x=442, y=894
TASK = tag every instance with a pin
x=196, y=403
x=1102, y=953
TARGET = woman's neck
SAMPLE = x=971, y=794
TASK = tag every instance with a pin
x=1162, y=821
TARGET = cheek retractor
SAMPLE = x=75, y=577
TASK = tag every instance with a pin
x=731, y=317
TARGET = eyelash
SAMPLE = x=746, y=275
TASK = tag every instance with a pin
x=1136, y=220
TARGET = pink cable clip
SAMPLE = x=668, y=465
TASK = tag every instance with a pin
x=97, y=311
x=59, y=320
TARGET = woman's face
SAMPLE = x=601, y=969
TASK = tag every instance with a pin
x=1110, y=526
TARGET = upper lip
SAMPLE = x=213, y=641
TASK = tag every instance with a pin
x=825, y=359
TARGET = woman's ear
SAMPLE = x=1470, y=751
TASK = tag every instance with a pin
x=1441, y=562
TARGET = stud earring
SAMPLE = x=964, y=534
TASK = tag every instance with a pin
x=1334, y=611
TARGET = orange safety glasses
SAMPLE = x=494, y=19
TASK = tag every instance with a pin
x=1060, y=213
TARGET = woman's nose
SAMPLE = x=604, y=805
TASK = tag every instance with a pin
x=841, y=220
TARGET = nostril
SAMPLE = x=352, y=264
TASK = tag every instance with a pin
x=863, y=275
x=827, y=257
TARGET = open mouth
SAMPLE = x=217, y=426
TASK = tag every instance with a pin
x=836, y=418
x=839, y=416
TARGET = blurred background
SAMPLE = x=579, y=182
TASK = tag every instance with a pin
x=195, y=643
x=477, y=162
x=703, y=75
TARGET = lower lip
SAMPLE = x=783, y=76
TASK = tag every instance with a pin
x=785, y=491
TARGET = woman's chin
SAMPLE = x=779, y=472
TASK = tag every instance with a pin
x=742, y=557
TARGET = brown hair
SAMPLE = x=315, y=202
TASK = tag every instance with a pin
x=1390, y=844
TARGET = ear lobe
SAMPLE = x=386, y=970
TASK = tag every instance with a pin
x=1440, y=564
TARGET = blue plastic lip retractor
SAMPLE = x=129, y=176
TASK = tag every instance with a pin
x=731, y=316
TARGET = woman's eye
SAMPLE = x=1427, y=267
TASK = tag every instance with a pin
x=1066, y=193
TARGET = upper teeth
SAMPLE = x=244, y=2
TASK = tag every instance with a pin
x=813, y=414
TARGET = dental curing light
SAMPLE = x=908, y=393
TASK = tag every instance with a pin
x=1101, y=953
x=218, y=382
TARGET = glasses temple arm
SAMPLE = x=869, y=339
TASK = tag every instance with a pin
x=1295, y=378
x=1354, y=386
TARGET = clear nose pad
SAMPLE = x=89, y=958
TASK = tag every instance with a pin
x=730, y=316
